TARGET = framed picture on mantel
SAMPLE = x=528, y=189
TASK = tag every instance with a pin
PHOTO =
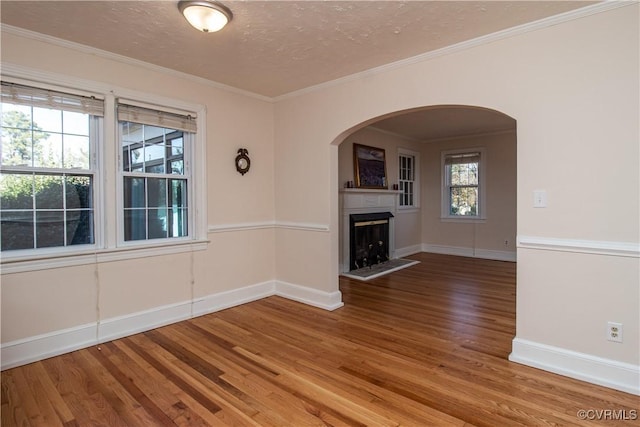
x=370, y=168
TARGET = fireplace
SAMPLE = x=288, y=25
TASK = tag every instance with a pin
x=365, y=205
x=369, y=239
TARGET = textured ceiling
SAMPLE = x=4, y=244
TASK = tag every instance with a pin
x=275, y=47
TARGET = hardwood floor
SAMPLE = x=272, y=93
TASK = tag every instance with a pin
x=424, y=346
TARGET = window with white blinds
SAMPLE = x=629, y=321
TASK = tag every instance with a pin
x=156, y=117
x=16, y=94
x=156, y=178
x=47, y=172
x=59, y=145
x=462, y=184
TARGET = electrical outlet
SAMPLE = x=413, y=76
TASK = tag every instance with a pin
x=614, y=331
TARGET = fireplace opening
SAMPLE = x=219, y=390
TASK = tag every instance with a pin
x=369, y=239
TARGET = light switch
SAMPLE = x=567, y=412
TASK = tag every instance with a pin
x=539, y=198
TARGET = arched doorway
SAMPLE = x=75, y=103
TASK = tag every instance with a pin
x=422, y=138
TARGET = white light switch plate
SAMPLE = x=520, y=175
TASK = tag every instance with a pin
x=539, y=198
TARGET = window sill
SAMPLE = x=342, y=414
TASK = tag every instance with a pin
x=408, y=209
x=477, y=220
x=70, y=259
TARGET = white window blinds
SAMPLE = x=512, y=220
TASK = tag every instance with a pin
x=462, y=158
x=26, y=95
x=148, y=116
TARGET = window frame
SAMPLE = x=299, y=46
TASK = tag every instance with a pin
x=106, y=157
x=188, y=140
x=404, y=152
x=445, y=200
x=95, y=140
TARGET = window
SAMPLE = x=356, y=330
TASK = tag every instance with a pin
x=408, y=174
x=462, y=184
x=47, y=173
x=155, y=176
x=59, y=147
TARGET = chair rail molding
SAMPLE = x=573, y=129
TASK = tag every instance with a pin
x=598, y=247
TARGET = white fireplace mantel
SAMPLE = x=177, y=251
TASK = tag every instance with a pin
x=365, y=200
x=356, y=199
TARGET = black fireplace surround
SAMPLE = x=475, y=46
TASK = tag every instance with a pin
x=369, y=239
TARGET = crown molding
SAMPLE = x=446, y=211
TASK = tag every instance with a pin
x=21, y=32
x=473, y=135
x=394, y=134
x=446, y=138
x=605, y=6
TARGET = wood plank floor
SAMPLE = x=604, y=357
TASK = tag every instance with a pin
x=425, y=346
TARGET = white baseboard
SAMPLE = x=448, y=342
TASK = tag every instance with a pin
x=408, y=250
x=447, y=250
x=32, y=349
x=232, y=298
x=123, y=326
x=495, y=255
x=325, y=300
x=470, y=252
x=450, y=250
x=605, y=372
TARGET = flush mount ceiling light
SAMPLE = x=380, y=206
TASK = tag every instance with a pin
x=206, y=16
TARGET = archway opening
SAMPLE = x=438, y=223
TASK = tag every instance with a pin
x=471, y=213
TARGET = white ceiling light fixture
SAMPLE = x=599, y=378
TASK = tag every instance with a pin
x=206, y=16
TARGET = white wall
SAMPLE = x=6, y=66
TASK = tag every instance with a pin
x=573, y=89
x=482, y=239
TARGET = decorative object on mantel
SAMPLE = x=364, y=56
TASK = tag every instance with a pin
x=243, y=163
x=381, y=269
x=361, y=191
x=369, y=165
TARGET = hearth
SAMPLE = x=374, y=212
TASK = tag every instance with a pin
x=369, y=239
